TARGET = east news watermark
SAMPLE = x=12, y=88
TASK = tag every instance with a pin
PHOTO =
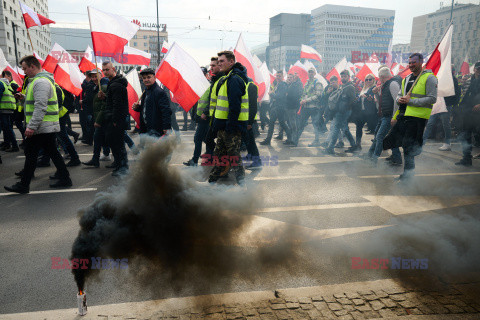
x=96, y=263
x=396, y=263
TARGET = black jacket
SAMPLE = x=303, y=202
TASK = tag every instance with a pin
x=116, y=107
x=453, y=100
x=252, y=102
x=294, y=94
x=236, y=84
x=468, y=118
x=89, y=90
x=214, y=79
x=279, y=96
x=155, y=112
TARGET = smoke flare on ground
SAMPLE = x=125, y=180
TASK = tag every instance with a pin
x=172, y=226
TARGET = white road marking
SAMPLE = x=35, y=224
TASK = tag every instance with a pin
x=318, y=207
x=399, y=205
x=423, y=175
x=52, y=191
x=297, y=177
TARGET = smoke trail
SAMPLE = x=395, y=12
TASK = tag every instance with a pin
x=172, y=226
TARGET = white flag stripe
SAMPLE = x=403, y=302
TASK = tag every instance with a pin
x=187, y=67
x=111, y=23
x=26, y=9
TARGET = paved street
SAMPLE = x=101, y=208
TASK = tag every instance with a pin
x=339, y=207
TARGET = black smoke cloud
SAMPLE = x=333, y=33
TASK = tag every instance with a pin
x=172, y=227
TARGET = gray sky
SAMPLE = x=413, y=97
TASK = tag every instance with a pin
x=204, y=27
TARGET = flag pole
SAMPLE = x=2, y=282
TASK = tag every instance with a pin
x=94, y=51
x=28, y=32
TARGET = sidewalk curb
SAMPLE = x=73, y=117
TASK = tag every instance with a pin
x=319, y=302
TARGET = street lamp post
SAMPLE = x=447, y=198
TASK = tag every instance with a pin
x=158, y=37
x=14, y=27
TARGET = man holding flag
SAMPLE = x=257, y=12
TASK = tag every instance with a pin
x=416, y=98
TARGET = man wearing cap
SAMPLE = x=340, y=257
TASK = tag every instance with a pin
x=470, y=114
x=154, y=106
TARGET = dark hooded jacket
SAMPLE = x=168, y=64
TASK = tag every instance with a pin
x=236, y=84
x=155, y=112
x=116, y=106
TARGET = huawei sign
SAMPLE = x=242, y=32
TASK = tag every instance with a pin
x=135, y=21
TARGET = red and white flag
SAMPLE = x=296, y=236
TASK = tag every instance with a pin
x=465, y=68
x=53, y=58
x=440, y=63
x=165, y=47
x=68, y=75
x=87, y=61
x=339, y=67
x=243, y=55
x=134, y=56
x=300, y=70
x=4, y=65
x=181, y=74
x=134, y=93
x=307, y=52
x=36, y=55
x=267, y=76
x=32, y=18
x=110, y=32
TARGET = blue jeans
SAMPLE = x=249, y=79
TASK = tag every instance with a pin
x=200, y=134
x=383, y=126
x=7, y=127
x=445, y=118
x=340, y=122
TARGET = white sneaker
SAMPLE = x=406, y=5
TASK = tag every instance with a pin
x=445, y=147
x=105, y=158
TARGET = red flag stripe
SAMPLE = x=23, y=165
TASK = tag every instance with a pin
x=174, y=81
x=63, y=80
x=107, y=44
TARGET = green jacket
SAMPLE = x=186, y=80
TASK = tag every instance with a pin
x=99, y=106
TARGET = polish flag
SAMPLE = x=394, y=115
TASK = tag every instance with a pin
x=268, y=80
x=365, y=71
x=243, y=55
x=339, y=67
x=36, y=55
x=472, y=68
x=465, y=68
x=165, y=47
x=307, y=52
x=87, y=61
x=4, y=65
x=440, y=63
x=53, y=58
x=133, y=56
x=300, y=70
x=134, y=93
x=257, y=61
x=32, y=18
x=351, y=68
x=182, y=75
x=110, y=32
x=272, y=75
x=68, y=75
x=404, y=72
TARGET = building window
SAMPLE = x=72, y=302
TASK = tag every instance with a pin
x=9, y=50
x=8, y=35
x=134, y=44
x=4, y=5
x=6, y=20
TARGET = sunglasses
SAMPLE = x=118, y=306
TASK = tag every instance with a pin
x=368, y=79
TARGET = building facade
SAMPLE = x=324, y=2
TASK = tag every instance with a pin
x=288, y=32
x=147, y=40
x=428, y=30
x=260, y=51
x=351, y=32
x=12, y=29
